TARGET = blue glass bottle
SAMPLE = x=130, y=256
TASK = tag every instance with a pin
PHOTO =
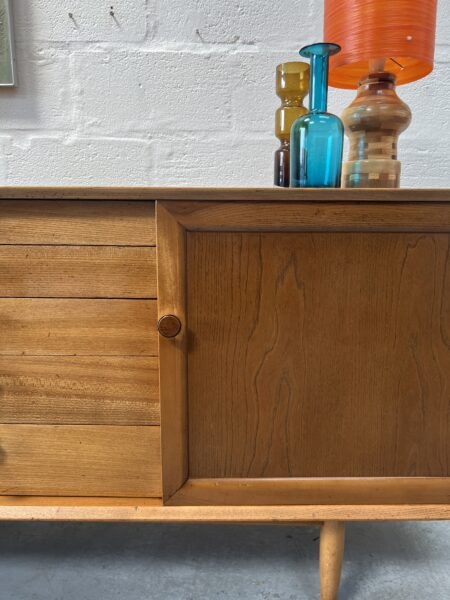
x=317, y=138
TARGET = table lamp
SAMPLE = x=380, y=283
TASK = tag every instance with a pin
x=384, y=43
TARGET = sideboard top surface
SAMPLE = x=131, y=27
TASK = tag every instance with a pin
x=224, y=194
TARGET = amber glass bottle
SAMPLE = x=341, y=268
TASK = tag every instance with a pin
x=292, y=86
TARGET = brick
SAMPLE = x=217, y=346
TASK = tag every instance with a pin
x=42, y=98
x=422, y=165
x=94, y=161
x=236, y=22
x=215, y=162
x=443, y=23
x=254, y=97
x=48, y=20
x=153, y=91
x=5, y=142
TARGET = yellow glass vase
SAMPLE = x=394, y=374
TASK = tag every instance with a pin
x=292, y=84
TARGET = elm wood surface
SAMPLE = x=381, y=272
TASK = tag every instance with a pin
x=78, y=223
x=53, y=508
x=310, y=216
x=335, y=355
x=317, y=491
x=77, y=327
x=285, y=217
x=79, y=390
x=247, y=194
x=172, y=351
x=80, y=460
x=77, y=271
x=332, y=536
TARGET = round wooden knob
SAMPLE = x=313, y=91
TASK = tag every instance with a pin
x=169, y=326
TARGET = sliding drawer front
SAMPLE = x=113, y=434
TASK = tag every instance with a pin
x=43, y=327
x=77, y=249
x=79, y=390
x=77, y=223
x=78, y=340
x=80, y=460
x=77, y=272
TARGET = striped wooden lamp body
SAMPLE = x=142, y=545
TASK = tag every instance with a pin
x=373, y=123
x=384, y=42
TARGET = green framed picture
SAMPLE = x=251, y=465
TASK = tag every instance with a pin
x=7, y=63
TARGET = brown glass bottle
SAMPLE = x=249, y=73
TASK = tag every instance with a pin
x=292, y=85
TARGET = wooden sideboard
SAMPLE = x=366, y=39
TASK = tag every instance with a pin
x=301, y=372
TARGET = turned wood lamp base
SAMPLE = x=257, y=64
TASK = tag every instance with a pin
x=373, y=123
x=371, y=173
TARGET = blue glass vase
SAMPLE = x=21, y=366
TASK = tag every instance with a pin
x=317, y=138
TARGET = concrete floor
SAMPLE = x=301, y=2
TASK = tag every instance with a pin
x=57, y=561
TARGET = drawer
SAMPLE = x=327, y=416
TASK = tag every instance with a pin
x=77, y=271
x=84, y=327
x=80, y=460
x=77, y=223
x=79, y=390
x=78, y=342
x=70, y=249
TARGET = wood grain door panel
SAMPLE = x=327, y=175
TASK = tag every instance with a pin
x=318, y=354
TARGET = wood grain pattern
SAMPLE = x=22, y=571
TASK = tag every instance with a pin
x=310, y=216
x=80, y=460
x=172, y=351
x=118, y=193
x=78, y=327
x=79, y=223
x=150, y=510
x=77, y=272
x=332, y=537
x=317, y=491
x=79, y=390
x=335, y=355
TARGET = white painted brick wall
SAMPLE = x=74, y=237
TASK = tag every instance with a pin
x=177, y=92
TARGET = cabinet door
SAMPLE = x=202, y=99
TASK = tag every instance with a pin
x=313, y=364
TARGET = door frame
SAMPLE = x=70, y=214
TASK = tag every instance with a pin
x=174, y=219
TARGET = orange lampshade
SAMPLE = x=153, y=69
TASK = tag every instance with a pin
x=400, y=31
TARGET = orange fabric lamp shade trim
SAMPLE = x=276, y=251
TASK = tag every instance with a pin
x=400, y=31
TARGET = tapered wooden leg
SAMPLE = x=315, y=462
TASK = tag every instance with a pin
x=332, y=537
